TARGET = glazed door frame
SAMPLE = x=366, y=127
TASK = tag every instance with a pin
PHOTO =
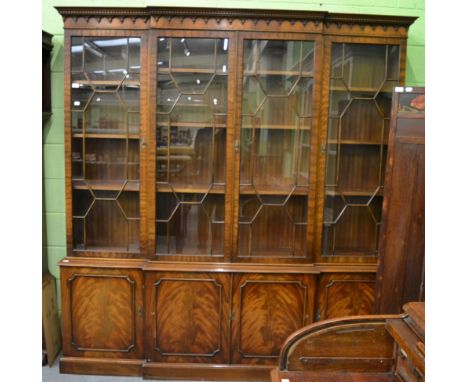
x=323, y=137
x=314, y=141
x=87, y=318
x=152, y=123
x=143, y=35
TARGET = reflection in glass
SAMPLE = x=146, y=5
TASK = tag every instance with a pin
x=105, y=120
x=190, y=224
x=410, y=102
x=106, y=85
x=275, y=148
x=362, y=79
x=191, y=145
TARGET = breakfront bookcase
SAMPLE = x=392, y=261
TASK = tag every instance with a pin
x=224, y=182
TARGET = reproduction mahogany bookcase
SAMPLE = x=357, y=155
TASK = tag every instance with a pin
x=224, y=182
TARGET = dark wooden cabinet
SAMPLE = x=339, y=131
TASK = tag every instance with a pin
x=228, y=166
x=401, y=261
x=47, y=47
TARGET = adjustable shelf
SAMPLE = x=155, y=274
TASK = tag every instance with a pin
x=102, y=185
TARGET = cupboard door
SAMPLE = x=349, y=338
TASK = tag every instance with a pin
x=102, y=312
x=187, y=317
x=104, y=146
x=341, y=295
x=274, y=141
x=266, y=309
x=361, y=81
x=194, y=107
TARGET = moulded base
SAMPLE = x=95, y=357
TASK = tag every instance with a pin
x=157, y=370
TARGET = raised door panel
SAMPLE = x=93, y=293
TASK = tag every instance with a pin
x=266, y=310
x=102, y=313
x=341, y=295
x=188, y=317
x=275, y=147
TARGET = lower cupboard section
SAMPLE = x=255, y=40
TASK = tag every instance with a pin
x=224, y=318
x=118, y=321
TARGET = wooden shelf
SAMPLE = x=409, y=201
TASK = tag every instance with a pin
x=353, y=193
x=105, y=133
x=250, y=190
x=244, y=190
x=217, y=72
x=359, y=90
x=191, y=124
x=133, y=248
x=277, y=127
x=278, y=73
x=352, y=253
x=106, y=136
x=193, y=104
x=216, y=189
x=355, y=142
x=107, y=82
x=180, y=150
x=106, y=163
x=79, y=184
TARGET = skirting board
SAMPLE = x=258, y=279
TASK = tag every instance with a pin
x=209, y=372
x=101, y=366
x=156, y=370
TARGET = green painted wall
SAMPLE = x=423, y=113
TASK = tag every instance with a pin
x=53, y=148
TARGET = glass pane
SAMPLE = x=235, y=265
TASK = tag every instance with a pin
x=275, y=148
x=77, y=54
x=363, y=65
x=268, y=230
x=190, y=224
x=278, y=55
x=191, y=145
x=105, y=119
x=362, y=79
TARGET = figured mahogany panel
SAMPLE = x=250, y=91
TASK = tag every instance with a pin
x=340, y=295
x=102, y=312
x=188, y=317
x=266, y=310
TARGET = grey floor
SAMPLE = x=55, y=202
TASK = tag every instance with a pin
x=52, y=374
